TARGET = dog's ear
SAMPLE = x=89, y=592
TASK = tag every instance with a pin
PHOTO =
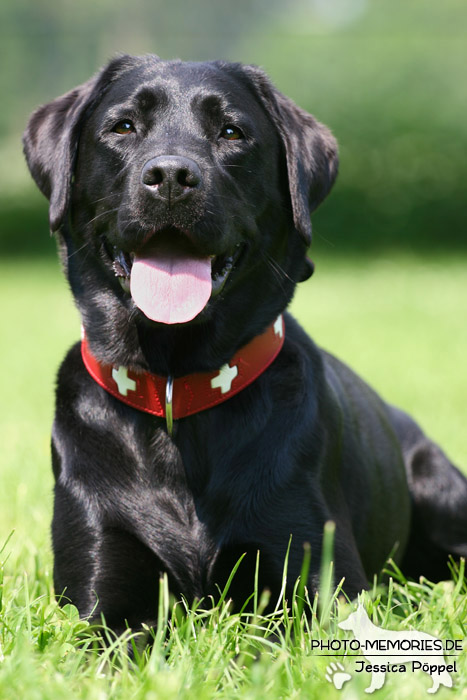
x=51, y=138
x=310, y=148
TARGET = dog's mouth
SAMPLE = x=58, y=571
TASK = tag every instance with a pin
x=169, y=280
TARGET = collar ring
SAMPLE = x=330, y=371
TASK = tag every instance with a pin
x=169, y=404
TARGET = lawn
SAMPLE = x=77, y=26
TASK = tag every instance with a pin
x=400, y=321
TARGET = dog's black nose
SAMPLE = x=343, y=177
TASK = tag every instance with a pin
x=171, y=177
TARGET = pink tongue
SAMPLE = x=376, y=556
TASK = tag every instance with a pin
x=170, y=288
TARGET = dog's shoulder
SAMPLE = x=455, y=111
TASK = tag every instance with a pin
x=81, y=403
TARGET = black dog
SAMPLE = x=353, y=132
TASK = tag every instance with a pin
x=181, y=194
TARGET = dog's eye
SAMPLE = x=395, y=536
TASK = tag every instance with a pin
x=125, y=126
x=231, y=133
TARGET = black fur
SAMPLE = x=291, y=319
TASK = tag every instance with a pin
x=307, y=442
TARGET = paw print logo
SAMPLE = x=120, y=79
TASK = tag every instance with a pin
x=337, y=675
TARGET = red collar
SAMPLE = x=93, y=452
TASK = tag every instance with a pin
x=176, y=398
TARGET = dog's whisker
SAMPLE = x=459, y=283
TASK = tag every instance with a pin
x=278, y=268
x=125, y=167
x=103, y=199
x=129, y=223
x=78, y=250
x=279, y=273
x=99, y=216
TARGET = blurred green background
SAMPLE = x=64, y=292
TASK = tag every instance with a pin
x=389, y=77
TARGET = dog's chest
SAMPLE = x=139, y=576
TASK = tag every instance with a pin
x=182, y=509
x=192, y=501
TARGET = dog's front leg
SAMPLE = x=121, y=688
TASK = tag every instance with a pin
x=101, y=568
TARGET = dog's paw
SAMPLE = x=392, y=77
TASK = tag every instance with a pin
x=337, y=675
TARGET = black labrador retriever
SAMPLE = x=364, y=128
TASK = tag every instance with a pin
x=197, y=421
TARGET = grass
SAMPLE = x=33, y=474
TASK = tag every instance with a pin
x=401, y=322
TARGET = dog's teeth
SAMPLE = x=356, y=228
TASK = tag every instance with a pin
x=118, y=269
x=122, y=264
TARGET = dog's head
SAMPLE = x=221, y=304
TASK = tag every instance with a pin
x=181, y=193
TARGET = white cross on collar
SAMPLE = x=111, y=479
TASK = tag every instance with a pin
x=278, y=326
x=123, y=381
x=225, y=378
